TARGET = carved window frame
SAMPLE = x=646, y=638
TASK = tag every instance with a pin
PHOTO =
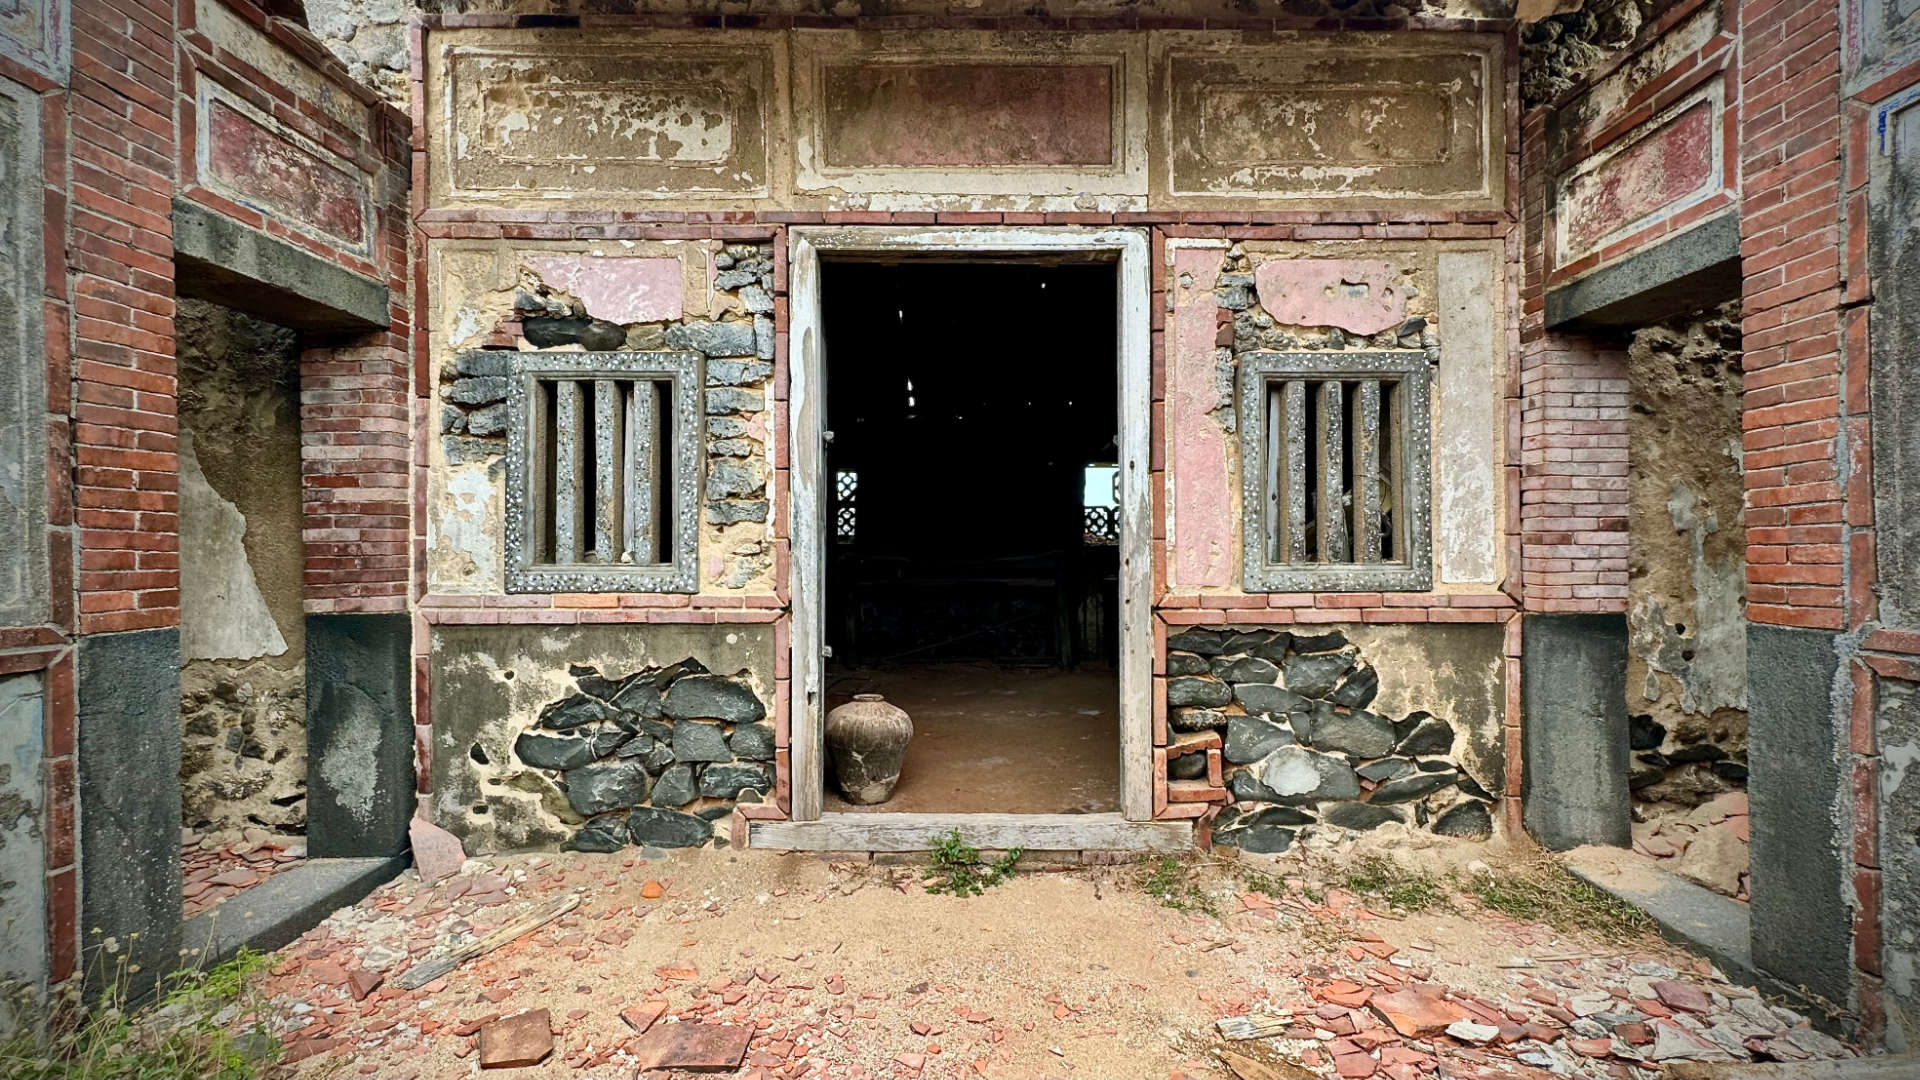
x=679, y=572
x=1411, y=430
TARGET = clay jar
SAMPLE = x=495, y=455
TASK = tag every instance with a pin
x=867, y=742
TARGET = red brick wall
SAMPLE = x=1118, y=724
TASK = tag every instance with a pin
x=1789, y=244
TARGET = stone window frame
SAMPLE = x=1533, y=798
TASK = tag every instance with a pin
x=682, y=371
x=1413, y=571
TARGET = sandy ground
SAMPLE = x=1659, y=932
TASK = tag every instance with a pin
x=855, y=970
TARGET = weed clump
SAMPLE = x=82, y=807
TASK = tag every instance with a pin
x=1547, y=893
x=1168, y=884
x=958, y=869
x=1406, y=889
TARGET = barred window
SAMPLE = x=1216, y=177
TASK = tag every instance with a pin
x=846, y=507
x=603, y=472
x=1335, y=476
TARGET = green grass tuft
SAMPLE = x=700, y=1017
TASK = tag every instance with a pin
x=1406, y=889
x=1168, y=884
x=959, y=871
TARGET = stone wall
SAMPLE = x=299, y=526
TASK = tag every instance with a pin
x=591, y=737
x=243, y=701
x=1310, y=738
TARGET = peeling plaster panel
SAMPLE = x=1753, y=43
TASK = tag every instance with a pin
x=1457, y=672
x=1469, y=419
x=234, y=34
x=620, y=290
x=538, y=115
x=1328, y=119
x=1898, y=723
x=476, y=704
x=465, y=536
x=244, y=155
x=1203, y=492
x=23, y=841
x=23, y=398
x=1674, y=161
x=1013, y=113
x=223, y=615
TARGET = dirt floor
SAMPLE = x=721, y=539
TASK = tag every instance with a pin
x=855, y=969
x=997, y=740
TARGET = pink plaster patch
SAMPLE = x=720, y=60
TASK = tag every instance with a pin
x=1202, y=503
x=1361, y=295
x=619, y=290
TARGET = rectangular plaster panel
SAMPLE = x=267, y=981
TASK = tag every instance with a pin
x=247, y=157
x=1607, y=100
x=1468, y=419
x=552, y=114
x=1200, y=525
x=35, y=33
x=1881, y=37
x=1676, y=160
x=1018, y=113
x=233, y=34
x=23, y=430
x=1328, y=119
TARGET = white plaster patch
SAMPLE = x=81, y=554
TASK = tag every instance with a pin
x=1467, y=418
x=23, y=854
x=463, y=541
x=223, y=615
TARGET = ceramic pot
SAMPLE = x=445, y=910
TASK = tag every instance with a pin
x=867, y=742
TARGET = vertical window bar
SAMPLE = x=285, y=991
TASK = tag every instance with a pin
x=609, y=452
x=1332, y=511
x=1366, y=471
x=1293, y=478
x=569, y=472
x=1393, y=534
x=539, y=501
x=643, y=471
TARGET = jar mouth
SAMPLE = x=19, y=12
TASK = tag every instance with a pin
x=869, y=697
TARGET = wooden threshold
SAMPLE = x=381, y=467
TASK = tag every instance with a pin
x=923, y=832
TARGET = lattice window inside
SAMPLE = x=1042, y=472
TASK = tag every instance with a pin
x=846, y=506
x=603, y=470
x=1100, y=505
x=1336, y=478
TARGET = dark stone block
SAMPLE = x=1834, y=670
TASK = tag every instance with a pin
x=1409, y=788
x=1573, y=692
x=1291, y=816
x=1187, y=767
x=573, y=712
x=675, y=787
x=1204, y=642
x=1258, y=839
x=1250, y=738
x=543, y=751
x=713, y=697
x=1385, y=769
x=667, y=828
x=1250, y=642
x=478, y=391
x=360, y=750
x=1469, y=820
x=1194, y=690
x=1354, y=815
x=695, y=741
x=1801, y=916
x=1358, y=691
x=1687, y=755
x=1185, y=663
x=1316, y=675
x=607, y=785
x=752, y=742
x=545, y=333
x=1250, y=669
x=1272, y=700
x=1645, y=733
x=727, y=781
x=602, y=835
x=128, y=691
x=1313, y=643
x=1361, y=734
x=602, y=336
x=639, y=695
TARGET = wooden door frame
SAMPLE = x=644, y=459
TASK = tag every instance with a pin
x=806, y=361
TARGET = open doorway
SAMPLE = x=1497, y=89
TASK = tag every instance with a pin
x=972, y=525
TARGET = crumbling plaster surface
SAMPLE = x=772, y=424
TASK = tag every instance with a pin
x=1686, y=583
x=242, y=631
x=485, y=297
x=1468, y=419
x=534, y=117
x=489, y=685
x=1898, y=723
x=1563, y=48
x=23, y=843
